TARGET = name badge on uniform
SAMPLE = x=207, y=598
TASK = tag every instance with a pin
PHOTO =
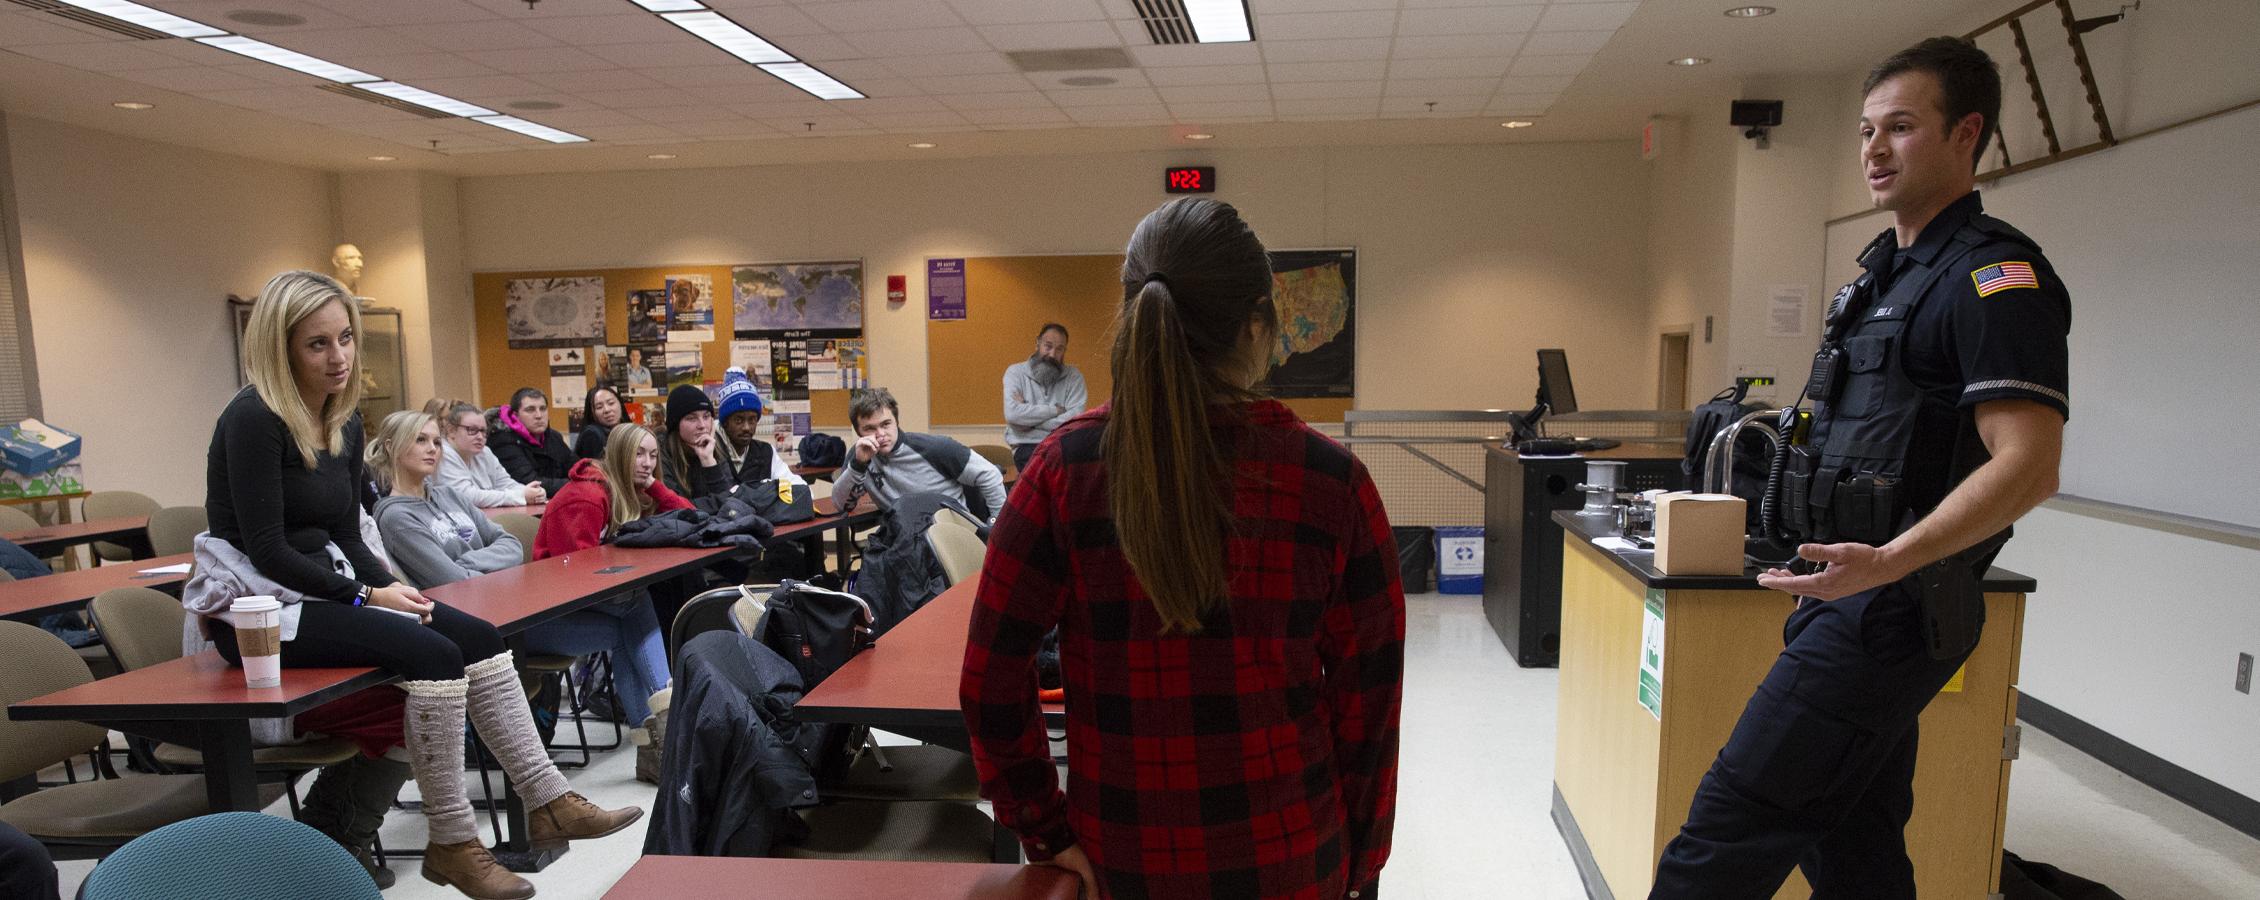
x=2004, y=276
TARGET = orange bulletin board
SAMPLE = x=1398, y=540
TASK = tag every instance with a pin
x=503, y=370
x=1007, y=299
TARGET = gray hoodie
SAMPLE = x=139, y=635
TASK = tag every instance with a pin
x=441, y=538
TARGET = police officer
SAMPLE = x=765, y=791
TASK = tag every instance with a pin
x=1938, y=405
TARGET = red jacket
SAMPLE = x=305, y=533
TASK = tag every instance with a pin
x=576, y=516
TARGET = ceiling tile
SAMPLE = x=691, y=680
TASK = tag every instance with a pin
x=353, y=43
x=193, y=79
x=985, y=63
x=1449, y=46
x=266, y=74
x=1366, y=107
x=1327, y=90
x=1553, y=42
x=853, y=70
x=819, y=48
x=973, y=103
x=1372, y=70
x=825, y=126
x=767, y=90
x=888, y=87
x=267, y=98
x=478, y=86
x=1045, y=115
x=413, y=66
x=1434, y=4
x=881, y=15
x=641, y=98
x=590, y=31
x=495, y=35
x=1179, y=75
x=1313, y=26
x=686, y=52
x=774, y=21
x=1075, y=80
x=1014, y=12
x=1535, y=84
x=1550, y=65
x=1519, y=104
x=669, y=115
x=917, y=41
x=1239, y=54
x=1586, y=16
x=1465, y=67
x=1221, y=110
x=584, y=118
x=1051, y=36
x=24, y=28
x=936, y=119
x=1431, y=88
x=806, y=108
x=612, y=80
x=975, y=84
x=1136, y=114
x=1214, y=93
x=1103, y=96
x=1469, y=20
x=215, y=14
x=1325, y=51
x=122, y=56
x=1262, y=7
x=628, y=132
x=866, y=108
x=710, y=76
x=721, y=127
x=549, y=59
x=403, y=12
x=554, y=8
x=1414, y=108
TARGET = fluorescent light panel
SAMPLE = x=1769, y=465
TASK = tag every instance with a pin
x=153, y=19
x=804, y=76
x=426, y=99
x=715, y=28
x=288, y=59
x=1218, y=21
x=666, y=6
x=531, y=129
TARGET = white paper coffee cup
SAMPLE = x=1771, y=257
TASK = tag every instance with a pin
x=258, y=638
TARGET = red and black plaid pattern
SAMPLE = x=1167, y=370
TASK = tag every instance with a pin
x=1255, y=759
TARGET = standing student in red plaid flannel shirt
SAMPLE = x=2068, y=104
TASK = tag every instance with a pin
x=1230, y=622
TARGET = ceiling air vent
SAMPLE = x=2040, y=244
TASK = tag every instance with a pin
x=1070, y=60
x=97, y=20
x=1165, y=21
x=382, y=100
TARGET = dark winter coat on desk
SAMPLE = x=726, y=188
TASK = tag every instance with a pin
x=900, y=573
x=736, y=761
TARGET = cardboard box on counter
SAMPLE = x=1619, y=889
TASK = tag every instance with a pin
x=1699, y=534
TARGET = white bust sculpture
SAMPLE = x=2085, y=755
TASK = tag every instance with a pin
x=345, y=263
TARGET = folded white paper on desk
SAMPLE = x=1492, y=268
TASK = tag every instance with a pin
x=1618, y=545
x=179, y=569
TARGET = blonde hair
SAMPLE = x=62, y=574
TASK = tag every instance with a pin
x=628, y=504
x=398, y=431
x=288, y=299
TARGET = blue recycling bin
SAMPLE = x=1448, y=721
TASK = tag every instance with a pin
x=1459, y=559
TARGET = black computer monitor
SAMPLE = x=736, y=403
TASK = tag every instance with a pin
x=1554, y=390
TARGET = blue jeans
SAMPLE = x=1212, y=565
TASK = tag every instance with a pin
x=630, y=630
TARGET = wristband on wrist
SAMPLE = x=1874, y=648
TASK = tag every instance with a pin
x=361, y=596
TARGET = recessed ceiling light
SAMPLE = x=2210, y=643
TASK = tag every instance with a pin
x=426, y=99
x=288, y=59
x=1218, y=21
x=1199, y=136
x=155, y=20
x=717, y=29
x=922, y=145
x=1749, y=12
x=1689, y=61
x=531, y=129
x=1517, y=123
x=133, y=104
x=383, y=158
x=806, y=77
x=661, y=156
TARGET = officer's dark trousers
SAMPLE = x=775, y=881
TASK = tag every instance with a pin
x=1819, y=771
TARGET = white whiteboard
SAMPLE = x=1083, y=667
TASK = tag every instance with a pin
x=2159, y=243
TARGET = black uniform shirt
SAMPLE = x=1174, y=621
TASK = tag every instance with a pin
x=1994, y=328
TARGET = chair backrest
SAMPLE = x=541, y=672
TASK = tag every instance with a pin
x=820, y=488
x=110, y=504
x=956, y=545
x=230, y=856
x=752, y=603
x=13, y=519
x=522, y=527
x=174, y=529
x=998, y=455
x=709, y=611
x=141, y=626
x=34, y=663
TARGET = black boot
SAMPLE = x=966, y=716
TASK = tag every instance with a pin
x=348, y=801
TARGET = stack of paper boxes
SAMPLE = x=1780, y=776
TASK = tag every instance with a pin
x=39, y=462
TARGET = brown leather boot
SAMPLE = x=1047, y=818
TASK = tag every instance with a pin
x=470, y=868
x=571, y=817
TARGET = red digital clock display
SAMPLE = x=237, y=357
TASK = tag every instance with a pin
x=1190, y=179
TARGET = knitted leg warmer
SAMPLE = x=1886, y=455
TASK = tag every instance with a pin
x=434, y=737
x=498, y=710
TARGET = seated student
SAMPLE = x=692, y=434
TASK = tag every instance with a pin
x=887, y=462
x=740, y=408
x=601, y=410
x=696, y=459
x=528, y=448
x=437, y=537
x=1234, y=645
x=469, y=468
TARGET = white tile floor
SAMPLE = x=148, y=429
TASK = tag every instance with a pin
x=1475, y=786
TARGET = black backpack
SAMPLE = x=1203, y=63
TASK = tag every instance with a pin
x=779, y=501
x=815, y=629
x=1751, y=464
x=821, y=449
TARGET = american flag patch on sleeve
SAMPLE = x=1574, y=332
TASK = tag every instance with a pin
x=2003, y=276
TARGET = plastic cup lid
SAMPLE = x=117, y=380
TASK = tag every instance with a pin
x=255, y=604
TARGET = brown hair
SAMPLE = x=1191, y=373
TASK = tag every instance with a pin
x=1968, y=82
x=867, y=402
x=1193, y=279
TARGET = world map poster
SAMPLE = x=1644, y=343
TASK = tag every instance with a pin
x=1315, y=293
x=824, y=299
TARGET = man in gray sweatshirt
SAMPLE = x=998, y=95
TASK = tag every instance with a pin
x=888, y=463
x=1041, y=394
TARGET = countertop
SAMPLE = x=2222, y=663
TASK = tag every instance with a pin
x=1642, y=565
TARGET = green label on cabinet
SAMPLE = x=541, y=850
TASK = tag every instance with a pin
x=1652, y=654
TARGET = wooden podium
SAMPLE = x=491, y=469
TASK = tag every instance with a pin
x=1624, y=776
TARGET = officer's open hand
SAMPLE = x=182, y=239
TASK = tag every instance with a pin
x=1846, y=569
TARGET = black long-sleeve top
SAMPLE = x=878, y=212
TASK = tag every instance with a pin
x=260, y=496
x=546, y=462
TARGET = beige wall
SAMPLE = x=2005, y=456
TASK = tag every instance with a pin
x=406, y=227
x=1470, y=258
x=1691, y=249
x=130, y=250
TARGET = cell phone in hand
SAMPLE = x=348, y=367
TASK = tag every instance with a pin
x=397, y=612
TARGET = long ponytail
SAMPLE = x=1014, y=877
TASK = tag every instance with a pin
x=1194, y=278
